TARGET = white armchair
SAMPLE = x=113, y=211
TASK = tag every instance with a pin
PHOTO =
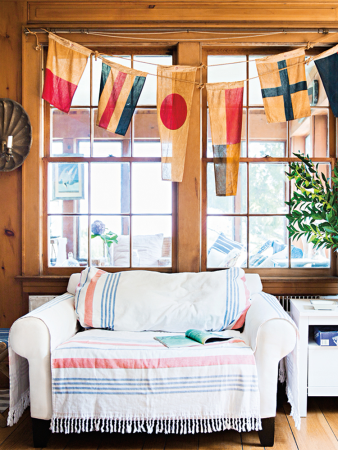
x=270, y=340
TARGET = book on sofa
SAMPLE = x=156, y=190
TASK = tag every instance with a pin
x=195, y=337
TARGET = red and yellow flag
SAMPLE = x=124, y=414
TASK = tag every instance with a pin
x=225, y=102
x=175, y=87
x=66, y=62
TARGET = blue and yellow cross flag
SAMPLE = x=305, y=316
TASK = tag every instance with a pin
x=327, y=66
x=284, y=88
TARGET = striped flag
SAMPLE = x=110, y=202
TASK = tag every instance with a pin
x=225, y=102
x=120, y=90
x=327, y=66
x=284, y=88
x=66, y=62
x=175, y=87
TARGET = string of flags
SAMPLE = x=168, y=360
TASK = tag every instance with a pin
x=283, y=84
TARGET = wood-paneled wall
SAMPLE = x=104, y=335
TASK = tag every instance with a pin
x=120, y=14
x=12, y=16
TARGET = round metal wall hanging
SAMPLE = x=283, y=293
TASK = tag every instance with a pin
x=15, y=135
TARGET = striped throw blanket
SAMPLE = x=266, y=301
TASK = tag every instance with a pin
x=128, y=382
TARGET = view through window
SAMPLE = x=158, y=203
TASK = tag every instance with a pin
x=249, y=230
x=101, y=184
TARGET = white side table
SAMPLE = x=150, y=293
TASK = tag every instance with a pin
x=318, y=365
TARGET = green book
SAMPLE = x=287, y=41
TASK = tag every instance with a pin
x=196, y=337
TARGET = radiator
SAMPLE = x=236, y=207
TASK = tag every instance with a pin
x=284, y=300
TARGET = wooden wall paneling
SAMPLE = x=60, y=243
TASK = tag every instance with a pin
x=182, y=13
x=204, y=198
x=12, y=16
x=188, y=230
x=32, y=168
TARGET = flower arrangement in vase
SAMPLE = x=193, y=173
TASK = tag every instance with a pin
x=99, y=229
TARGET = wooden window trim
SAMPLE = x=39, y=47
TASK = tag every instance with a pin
x=331, y=158
x=50, y=270
x=32, y=172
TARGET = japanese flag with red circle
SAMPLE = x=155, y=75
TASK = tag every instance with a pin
x=175, y=87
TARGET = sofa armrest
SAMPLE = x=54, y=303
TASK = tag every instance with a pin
x=271, y=336
x=34, y=337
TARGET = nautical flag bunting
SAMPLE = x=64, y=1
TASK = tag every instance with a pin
x=66, y=62
x=175, y=87
x=327, y=66
x=284, y=88
x=120, y=90
x=225, y=102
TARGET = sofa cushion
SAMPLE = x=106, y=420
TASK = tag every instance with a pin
x=153, y=301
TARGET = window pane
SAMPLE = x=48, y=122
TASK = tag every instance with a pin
x=268, y=242
x=68, y=234
x=231, y=72
x=243, y=144
x=68, y=129
x=118, y=145
x=104, y=253
x=226, y=242
x=302, y=253
x=146, y=134
x=268, y=188
x=149, y=193
x=82, y=93
x=147, y=149
x=148, y=95
x=266, y=138
x=105, y=148
x=110, y=188
x=255, y=92
x=151, y=241
x=97, y=67
x=312, y=75
x=67, y=188
x=310, y=135
x=147, y=139
x=227, y=205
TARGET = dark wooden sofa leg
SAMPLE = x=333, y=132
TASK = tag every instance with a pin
x=267, y=433
x=41, y=432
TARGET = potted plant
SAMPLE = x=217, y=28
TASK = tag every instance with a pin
x=314, y=204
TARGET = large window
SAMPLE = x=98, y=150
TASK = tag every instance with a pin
x=249, y=230
x=100, y=183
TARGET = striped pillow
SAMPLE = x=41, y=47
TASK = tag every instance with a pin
x=152, y=301
x=225, y=245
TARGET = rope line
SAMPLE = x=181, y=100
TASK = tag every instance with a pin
x=96, y=33
x=202, y=66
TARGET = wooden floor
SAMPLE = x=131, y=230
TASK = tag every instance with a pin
x=319, y=431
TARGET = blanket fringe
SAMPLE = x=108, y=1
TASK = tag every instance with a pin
x=17, y=410
x=149, y=425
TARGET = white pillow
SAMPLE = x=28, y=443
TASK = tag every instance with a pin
x=216, y=258
x=121, y=252
x=149, y=248
x=143, y=300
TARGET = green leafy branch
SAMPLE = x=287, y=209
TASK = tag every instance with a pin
x=108, y=238
x=314, y=206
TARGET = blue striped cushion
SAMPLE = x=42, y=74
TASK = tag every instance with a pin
x=225, y=245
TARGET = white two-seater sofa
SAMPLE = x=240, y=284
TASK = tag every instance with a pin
x=269, y=335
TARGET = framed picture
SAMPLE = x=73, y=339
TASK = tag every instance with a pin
x=68, y=181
